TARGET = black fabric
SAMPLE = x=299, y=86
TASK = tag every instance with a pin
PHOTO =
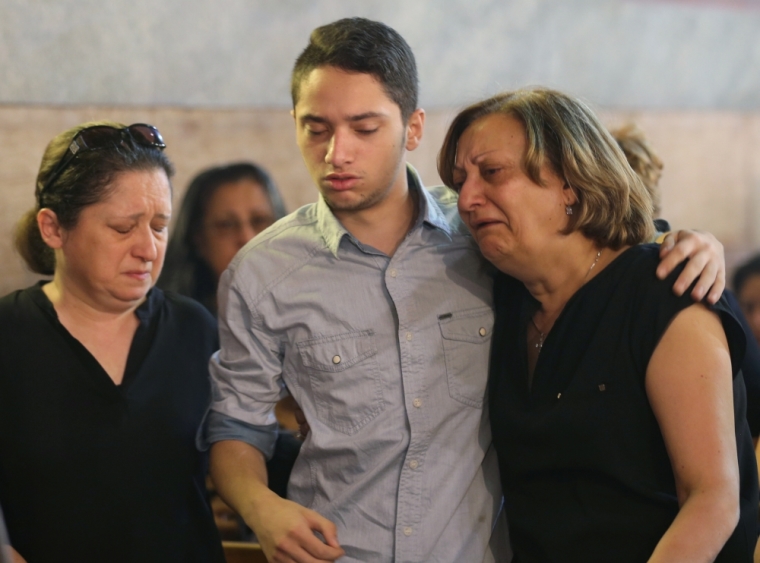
x=92, y=471
x=584, y=468
x=750, y=366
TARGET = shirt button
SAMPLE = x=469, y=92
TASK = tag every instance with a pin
x=336, y=359
x=393, y=273
x=417, y=403
x=408, y=335
x=413, y=464
x=407, y=531
x=482, y=331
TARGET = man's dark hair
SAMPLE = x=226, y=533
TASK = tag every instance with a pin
x=366, y=46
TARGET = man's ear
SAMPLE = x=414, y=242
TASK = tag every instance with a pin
x=414, y=129
x=50, y=228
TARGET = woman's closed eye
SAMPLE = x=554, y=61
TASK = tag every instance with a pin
x=122, y=229
x=490, y=171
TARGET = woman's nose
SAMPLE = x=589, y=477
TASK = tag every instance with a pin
x=146, y=246
x=470, y=194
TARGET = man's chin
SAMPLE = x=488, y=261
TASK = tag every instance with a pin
x=346, y=203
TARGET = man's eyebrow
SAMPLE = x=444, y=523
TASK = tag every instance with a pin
x=366, y=115
x=310, y=117
x=313, y=118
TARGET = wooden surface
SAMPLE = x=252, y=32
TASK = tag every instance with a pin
x=241, y=552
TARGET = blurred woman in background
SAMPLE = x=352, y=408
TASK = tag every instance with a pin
x=223, y=208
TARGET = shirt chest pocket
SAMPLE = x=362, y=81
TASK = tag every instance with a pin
x=466, y=345
x=344, y=378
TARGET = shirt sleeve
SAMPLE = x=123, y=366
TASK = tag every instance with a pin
x=246, y=373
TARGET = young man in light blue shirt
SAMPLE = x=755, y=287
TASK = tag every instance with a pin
x=372, y=307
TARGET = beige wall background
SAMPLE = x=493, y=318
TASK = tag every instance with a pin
x=213, y=76
x=711, y=179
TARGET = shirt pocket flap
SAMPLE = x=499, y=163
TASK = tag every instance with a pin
x=339, y=352
x=474, y=325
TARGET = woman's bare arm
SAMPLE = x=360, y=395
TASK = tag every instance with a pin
x=689, y=384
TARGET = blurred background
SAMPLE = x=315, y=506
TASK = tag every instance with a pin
x=214, y=78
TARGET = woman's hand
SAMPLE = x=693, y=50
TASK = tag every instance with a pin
x=706, y=262
x=690, y=388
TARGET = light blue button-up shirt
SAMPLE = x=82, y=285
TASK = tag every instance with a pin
x=388, y=358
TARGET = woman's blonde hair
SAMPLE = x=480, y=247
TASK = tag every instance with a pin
x=642, y=159
x=614, y=208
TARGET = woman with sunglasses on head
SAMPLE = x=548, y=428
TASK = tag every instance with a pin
x=103, y=378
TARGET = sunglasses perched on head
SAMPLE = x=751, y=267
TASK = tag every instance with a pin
x=100, y=137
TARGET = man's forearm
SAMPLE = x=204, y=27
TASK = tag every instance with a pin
x=240, y=476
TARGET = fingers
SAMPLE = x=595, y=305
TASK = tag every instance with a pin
x=304, y=548
x=288, y=534
x=666, y=244
x=697, y=268
x=718, y=287
x=303, y=425
x=298, y=551
x=328, y=530
x=672, y=257
x=705, y=264
x=304, y=429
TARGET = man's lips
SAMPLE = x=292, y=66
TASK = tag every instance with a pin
x=340, y=182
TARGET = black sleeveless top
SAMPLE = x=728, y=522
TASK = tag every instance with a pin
x=584, y=468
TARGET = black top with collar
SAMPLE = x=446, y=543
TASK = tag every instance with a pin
x=92, y=471
x=585, y=471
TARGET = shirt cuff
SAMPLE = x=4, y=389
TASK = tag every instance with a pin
x=216, y=427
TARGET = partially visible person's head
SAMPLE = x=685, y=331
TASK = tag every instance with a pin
x=223, y=208
x=96, y=171
x=747, y=288
x=642, y=159
x=562, y=136
x=358, y=45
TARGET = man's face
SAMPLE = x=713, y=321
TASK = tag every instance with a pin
x=352, y=138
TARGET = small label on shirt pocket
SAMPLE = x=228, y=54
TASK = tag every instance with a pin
x=466, y=346
x=344, y=378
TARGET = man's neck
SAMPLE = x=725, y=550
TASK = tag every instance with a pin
x=384, y=225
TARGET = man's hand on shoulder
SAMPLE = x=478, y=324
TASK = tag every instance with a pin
x=286, y=533
x=705, y=261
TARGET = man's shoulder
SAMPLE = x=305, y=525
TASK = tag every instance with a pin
x=445, y=199
x=292, y=240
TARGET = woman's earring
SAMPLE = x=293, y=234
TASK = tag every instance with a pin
x=568, y=210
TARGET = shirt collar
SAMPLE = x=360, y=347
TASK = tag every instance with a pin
x=333, y=231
